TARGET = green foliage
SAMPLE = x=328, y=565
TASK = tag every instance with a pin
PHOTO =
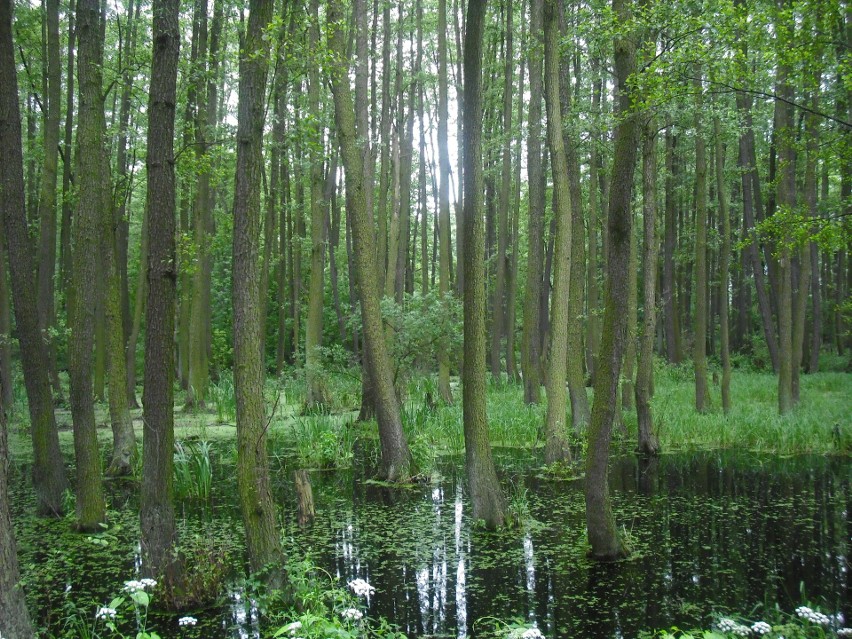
x=421, y=326
x=193, y=470
x=317, y=606
x=222, y=395
x=818, y=425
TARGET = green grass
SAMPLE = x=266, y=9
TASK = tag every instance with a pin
x=821, y=424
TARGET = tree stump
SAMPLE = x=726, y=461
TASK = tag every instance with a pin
x=305, y=495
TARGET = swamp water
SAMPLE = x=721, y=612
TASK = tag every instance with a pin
x=711, y=532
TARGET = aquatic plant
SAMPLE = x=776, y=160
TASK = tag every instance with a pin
x=193, y=470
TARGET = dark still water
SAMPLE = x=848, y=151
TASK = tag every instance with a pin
x=711, y=532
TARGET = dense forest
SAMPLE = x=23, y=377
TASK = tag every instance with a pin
x=399, y=210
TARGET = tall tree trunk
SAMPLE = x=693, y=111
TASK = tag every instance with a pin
x=85, y=232
x=124, y=453
x=786, y=201
x=594, y=323
x=600, y=523
x=157, y=517
x=648, y=443
x=576, y=296
x=386, y=137
x=750, y=201
x=724, y=266
x=530, y=349
x=443, y=196
x=138, y=311
x=317, y=393
x=15, y=622
x=627, y=387
x=67, y=150
x=512, y=277
x=47, y=198
x=48, y=470
x=805, y=263
x=498, y=324
x=14, y=618
x=699, y=351
x=253, y=481
x=7, y=398
x=396, y=458
x=198, y=369
x=485, y=493
x=556, y=441
x=672, y=330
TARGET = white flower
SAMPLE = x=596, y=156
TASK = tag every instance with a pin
x=187, y=621
x=361, y=587
x=731, y=626
x=844, y=632
x=813, y=616
x=292, y=627
x=532, y=633
x=761, y=628
x=139, y=584
x=133, y=585
x=103, y=613
x=353, y=614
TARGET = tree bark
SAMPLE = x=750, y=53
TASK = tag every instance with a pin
x=556, y=441
x=253, y=480
x=157, y=517
x=47, y=198
x=648, y=443
x=699, y=351
x=485, y=493
x=15, y=620
x=48, y=470
x=724, y=267
x=205, y=89
x=444, y=285
x=86, y=234
x=530, y=349
x=317, y=393
x=604, y=539
x=498, y=324
x=396, y=458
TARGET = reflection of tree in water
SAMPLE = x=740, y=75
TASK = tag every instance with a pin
x=711, y=533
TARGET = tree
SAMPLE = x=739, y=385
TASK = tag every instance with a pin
x=498, y=325
x=157, y=518
x=48, y=471
x=86, y=242
x=205, y=119
x=443, y=193
x=253, y=481
x=603, y=536
x=530, y=351
x=14, y=618
x=486, y=496
x=699, y=352
x=648, y=442
x=317, y=394
x=47, y=196
x=396, y=457
x=556, y=443
x=724, y=266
